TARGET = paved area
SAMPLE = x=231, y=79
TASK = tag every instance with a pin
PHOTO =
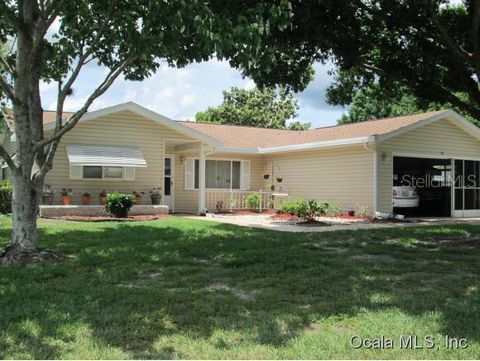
x=259, y=222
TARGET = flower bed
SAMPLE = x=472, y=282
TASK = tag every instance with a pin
x=136, y=218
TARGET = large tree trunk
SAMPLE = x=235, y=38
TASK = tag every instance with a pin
x=26, y=198
x=28, y=114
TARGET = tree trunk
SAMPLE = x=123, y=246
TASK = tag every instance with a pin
x=26, y=199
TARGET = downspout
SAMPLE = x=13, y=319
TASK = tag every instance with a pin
x=372, y=141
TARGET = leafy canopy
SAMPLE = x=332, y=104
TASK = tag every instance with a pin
x=375, y=102
x=266, y=107
x=430, y=47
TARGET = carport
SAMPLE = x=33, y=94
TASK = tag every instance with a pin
x=432, y=179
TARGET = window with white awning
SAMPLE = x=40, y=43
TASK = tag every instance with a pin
x=97, y=162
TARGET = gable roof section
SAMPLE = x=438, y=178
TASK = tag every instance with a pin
x=146, y=113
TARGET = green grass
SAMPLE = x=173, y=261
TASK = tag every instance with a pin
x=177, y=288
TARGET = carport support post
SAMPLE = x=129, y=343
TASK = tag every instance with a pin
x=201, y=181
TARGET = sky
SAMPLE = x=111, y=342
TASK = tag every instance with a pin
x=180, y=93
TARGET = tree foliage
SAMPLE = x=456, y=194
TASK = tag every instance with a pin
x=266, y=108
x=374, y=102
x=430, y=47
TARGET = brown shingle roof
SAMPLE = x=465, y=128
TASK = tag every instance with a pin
x=251, y=137
x=48, y=117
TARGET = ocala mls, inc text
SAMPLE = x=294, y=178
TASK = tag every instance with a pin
x=410, y=342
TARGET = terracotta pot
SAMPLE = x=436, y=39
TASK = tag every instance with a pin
x=47, y=200
x=66, y=200
x=156, y=199
x=86, y=200
x=138, y=200
x=101, y=200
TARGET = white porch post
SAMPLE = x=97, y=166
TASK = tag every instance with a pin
x=201, y=181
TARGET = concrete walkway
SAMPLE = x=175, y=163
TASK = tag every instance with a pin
x=285, y=227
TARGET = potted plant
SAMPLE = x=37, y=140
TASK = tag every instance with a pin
x=119, y=204
x=266, y=176
x=279, y=179
x=138, y=197
x=351, y=212
x=67, y=196
x=102, y=198
x=47, y=195
x=156, y=196
x=86, y=199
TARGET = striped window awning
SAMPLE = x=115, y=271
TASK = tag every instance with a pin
x=100, y=155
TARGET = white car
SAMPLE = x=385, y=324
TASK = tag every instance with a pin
x=405, y=197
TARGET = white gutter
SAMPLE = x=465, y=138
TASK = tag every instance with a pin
x=299, y=147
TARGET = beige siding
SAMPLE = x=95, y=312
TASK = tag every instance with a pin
x=120, y=129
x=187, y=200
x=439, y=139
x=342, y=175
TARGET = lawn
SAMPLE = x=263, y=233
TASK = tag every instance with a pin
x=177, y=288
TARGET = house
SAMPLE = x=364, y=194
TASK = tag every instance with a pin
x=198, y=165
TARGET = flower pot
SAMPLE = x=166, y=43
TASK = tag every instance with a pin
x=351, y=213
x=138, y=200
x=266, y=176
x=47, y=200
x=279, y=179
x=66, y=200
x=86, y=200
x=101, y=200
x=156, y=199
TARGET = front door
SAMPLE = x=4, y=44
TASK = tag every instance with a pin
x=168, y=181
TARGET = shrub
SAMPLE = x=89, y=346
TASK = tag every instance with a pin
x=290, y=205
x=119, y=204
x=363, y=211
x=6, y=197
x=333, y=209
x=308, y=210
x=253, y=200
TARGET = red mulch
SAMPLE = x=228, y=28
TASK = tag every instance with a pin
x=346, y=216
x=136, y=218
x=283, y=217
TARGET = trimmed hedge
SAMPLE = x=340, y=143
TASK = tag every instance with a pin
x=5, y=197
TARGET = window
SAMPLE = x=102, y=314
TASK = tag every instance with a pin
x=92, y=172
x=219, y=174
x=101, y=172
x=113, y=172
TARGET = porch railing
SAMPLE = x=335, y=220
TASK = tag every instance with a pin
x=232, y=200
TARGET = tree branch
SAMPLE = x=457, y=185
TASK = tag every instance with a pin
x=7, y=66
x=450, y=42
x=8, y=89
x=4, y=154
x=73, y=120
